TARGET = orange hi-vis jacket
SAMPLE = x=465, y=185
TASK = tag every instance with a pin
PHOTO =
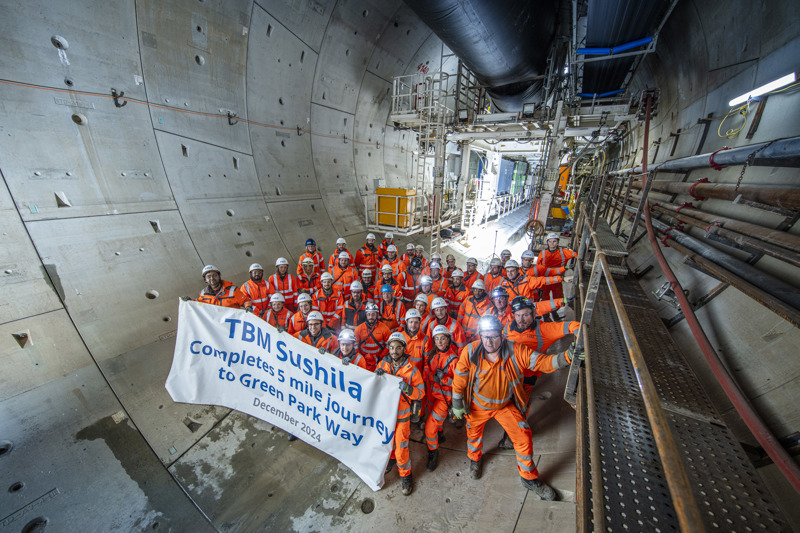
x=408, y=372
x=469, y=279
x=445, y=361
x=349, y=315
x=280, y=319
x=384, y=245
x=372, y=342
x=319, y=263
x=297, y=323
x=397, y=266
x=440, y=286
x=480, y=384
x=505, y=317
x=228, y=295
x=447, y=272
x=394, y=283
x=409, y=283
x=536, y=271
x=308, y=284
x=328, y=306
x=516, y=287
x=418, y=347
x=342, y=278
x=457, y=336
x=333, y=260
x=538, y=283
x=423, y=322
x=355, y=357
x=454, y=297
x=470, y=312
x=257, y=293
x=540, y=336
x=559, y=258
x=392, y=314
x=371, y=292
x=287, y=286
x=491, y=281
x=368, y=258
x=325, y=340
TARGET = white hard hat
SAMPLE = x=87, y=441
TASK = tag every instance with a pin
x=314, y=315
x=347, y=335
x=255, y=266
x=435, y=255
x=441, y=330
x=527, y=254
x=370, y=236
x=326, y=275
x=421, y=298
x=344, y=255
x=210, y=268
x=552, y=236
x=277, y=297
x=387, y=268
x=450, y=256
x=307, y=261
x=356, y=286
x=303, y=297
x=341, y=240
x=478, y=284
x=495, y=262
x=512, y=264
x=367, y=271
x=281, y=261
x=437, y=303
x=472, y=260
x=391, y=248
x=435, y=264
x=371, y=308
x=425, y=280
x=457, y=273
x=419, y=247
x=388, y=236
x=410, y=246
x=397, y=336
x=413, y=313
x=506, y=252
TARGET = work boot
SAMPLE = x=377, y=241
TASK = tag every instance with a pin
x=390, y=465
x=291, y=438
x=505, y=443
x=433, y=460
x=476, y=468
x=540, y=488
x=408, y=485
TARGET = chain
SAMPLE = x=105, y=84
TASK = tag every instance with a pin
x=747, y=163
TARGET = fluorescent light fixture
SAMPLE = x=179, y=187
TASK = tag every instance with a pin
x=463, y=116
x=528, y=110
x=764, y=89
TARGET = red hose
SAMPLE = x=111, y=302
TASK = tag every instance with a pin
x=754, y=423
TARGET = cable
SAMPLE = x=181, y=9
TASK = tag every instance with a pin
x=733, y=133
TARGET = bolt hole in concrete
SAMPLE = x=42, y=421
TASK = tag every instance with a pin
x=269, y=495
x=334, y=487
x=248, y=253
x=200, y=60
x=367, y=506
x=68, y=82
x=5, y=447
x=59, y=42
x=16, y=487
x=155, y=525
x=166, y=318
x=151, y=294
x=80, y=119
x=36, y=525
x=280, y=100
x=229, y=212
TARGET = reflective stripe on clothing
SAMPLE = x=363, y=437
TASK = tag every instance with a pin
x=286, y=286
x=228, y=295
x=257, y=293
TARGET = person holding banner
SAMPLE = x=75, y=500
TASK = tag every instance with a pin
x=352, y=308
x=221, y=292
x=372, y=336
x=438, y=380
x=276, y=314
x=256, y=288
x=326, y=301
x=488, y=383
x=347, y=350
x=317, y=335
x=398, y=363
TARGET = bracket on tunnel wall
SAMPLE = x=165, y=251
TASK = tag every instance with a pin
x=231, y=116
x=116, y=96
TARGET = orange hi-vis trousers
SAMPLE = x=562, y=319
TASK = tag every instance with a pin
x=515, y=425
x=402, y=433
x=437, y=413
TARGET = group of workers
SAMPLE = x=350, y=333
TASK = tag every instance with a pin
x=465, y=344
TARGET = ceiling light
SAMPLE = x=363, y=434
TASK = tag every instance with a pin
x=764, y=89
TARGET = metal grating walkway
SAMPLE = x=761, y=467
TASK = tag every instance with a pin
x=727, y=488
x=609, y=242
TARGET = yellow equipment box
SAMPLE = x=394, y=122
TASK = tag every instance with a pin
x=393, y=202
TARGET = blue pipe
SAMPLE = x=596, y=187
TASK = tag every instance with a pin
x=616, y=49
x=601, y=95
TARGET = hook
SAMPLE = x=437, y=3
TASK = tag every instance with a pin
x=231, y=116
x=117, y=97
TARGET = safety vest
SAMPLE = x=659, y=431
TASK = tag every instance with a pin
x=445, y=361
x=367, y=257
x=327, y=305
x=455, y=297
x=280, y=319
x=397, y=266
x=297, y=323
x=355, y=357
x=514, y=374
x=505, y=317
x=471, y=311
x=286, y=286
x=319, y=262
x=439, y=286
x=418, y=347
x=228, y=295
x=258, y=293
x=333, y=260
x=491, y=280
x=350, y=316
x=408, y=285
x=541, y=336
x=372, y=342
x=469, y=279
x=384, y=245
x=391, y=314
x=559, y=258
x=409, y=373
x=457, y=336
x=308, y=284
x=516, y=287
x=325, y=340
x=342, y=278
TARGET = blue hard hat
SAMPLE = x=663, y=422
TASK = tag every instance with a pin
x=386, y=288
x=311, y=242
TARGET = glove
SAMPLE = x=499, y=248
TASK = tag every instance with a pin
x=459, y=413
x=571, y=353
x=249, y=308
x=186, y=299
x=281, y=329
x=568, y=279
x=322, y=350
x=405, y=387
x=346, y=361
x=379, y=371
x=437, y=377
x=570, y=264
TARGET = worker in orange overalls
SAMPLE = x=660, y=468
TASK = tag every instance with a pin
x=471, y=275
x=371, y=288
x=398, y=363
x=435, y=258
x=317, y=335
x=426, y=289
x=534, y=270
x=527, y=261
x=341, y=246
x=409, y=281
x=316, y=258
x=554, y=256
x=418, y=344
x=221, y=292
x=395, y=263
x=456, y=293
x=388, y=278
x=351, y=310
x=438, y=379
x=514, y=282
x=372, y=335
x=326, y=301
x=308, y=278
x=473, y=308
x=276, y=314
x=495, y=275
x=439, y=317
x=256, y=288
x=411, y=252
x=421, y=305
x=419, y=253
x=284, y=283
x=368, y=256
x=348, y=350
x=391, y=309
x=343, y=274
x=505, y=255
x=450, y=268
x=388, y=240
x=488, y=384
x=439, y=284
x=500, y=307
x=298, y=321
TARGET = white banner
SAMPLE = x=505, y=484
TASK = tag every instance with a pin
x=234, y=359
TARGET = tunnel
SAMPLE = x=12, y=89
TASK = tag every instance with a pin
x=141, y=140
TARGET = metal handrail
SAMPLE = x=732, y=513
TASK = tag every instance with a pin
x=685, y=506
